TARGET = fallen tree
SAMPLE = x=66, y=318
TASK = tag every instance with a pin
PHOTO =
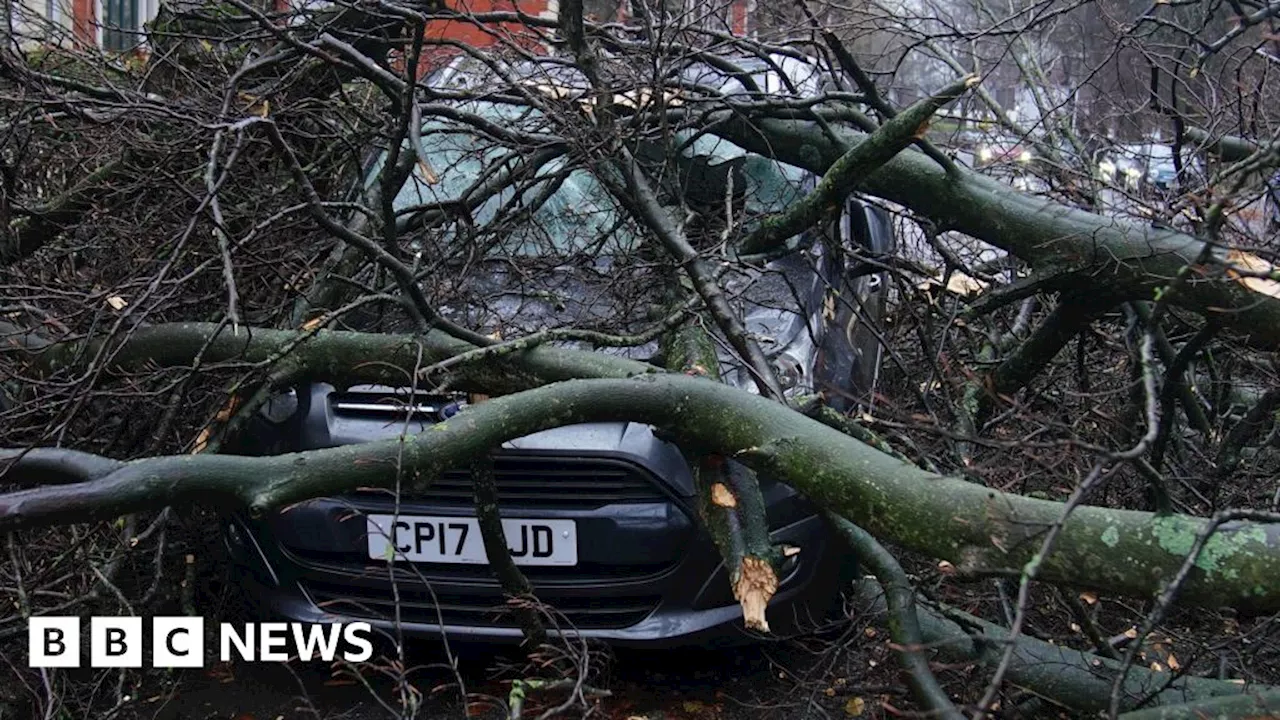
x=223, y=284
x=1067, y=247
x=1071, y=678
x=980, y=529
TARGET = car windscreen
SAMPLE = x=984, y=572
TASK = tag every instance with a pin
x=562, y=208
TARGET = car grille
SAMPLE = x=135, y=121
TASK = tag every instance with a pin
x=549, y=481
x=358, y=565
x=418, y=605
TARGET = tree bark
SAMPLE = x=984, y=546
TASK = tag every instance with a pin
x=847, y=171
x=1130, y=258
x=1231, y=147
x=329, y=355
x=980, y=529
x=1251, y=705
x=1073, y=678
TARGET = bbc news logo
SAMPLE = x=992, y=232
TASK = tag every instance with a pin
x=179, y=642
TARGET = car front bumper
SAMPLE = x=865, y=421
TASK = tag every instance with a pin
x=682, y=603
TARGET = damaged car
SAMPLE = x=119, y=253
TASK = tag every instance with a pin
x=602, y=518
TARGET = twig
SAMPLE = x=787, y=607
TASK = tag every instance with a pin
x=904, y=626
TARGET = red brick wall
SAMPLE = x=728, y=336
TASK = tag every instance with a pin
x=84, y=25
x=738, y=15
x=84, y=21
x=478, y=35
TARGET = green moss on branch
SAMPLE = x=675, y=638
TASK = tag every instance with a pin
x=1082, y=249
x=329, y=355
x=978, y=528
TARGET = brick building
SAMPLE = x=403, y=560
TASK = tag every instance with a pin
x=119, y=25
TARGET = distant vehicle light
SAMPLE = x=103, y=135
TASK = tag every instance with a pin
x=1025, y=156
x=984, y=154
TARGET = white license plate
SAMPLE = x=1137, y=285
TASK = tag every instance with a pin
x=432, y=539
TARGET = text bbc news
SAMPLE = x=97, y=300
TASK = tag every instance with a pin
x=117, y=641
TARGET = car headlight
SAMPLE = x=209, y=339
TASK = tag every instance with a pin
x=984, y=154
x=1025, y=156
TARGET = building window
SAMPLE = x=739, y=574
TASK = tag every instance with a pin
x=120, y=24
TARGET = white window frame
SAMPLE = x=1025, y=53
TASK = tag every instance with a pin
x=146, y=12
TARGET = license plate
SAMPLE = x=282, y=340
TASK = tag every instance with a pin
x=432, y=539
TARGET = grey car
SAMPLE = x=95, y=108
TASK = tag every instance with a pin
x=601, y=517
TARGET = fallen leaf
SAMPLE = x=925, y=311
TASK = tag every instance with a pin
x=1089, y=598
x=946, y=567
x=855, y=707
x=116, y=302
x=1173, y=662
x=1131, y=633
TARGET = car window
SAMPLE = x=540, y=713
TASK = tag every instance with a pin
x=770, y=186
x=570, y=212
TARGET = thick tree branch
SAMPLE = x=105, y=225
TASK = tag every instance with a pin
x=1262, y=704
x=1126, y=256
x=335, y=356
x=980, y=529
x=1259, y=416
x=1231, y=148
x=729, y=498
x=1072, y=315
x=1072, y=678
x=847, y=172
x=52, y=466
x=733, y=509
